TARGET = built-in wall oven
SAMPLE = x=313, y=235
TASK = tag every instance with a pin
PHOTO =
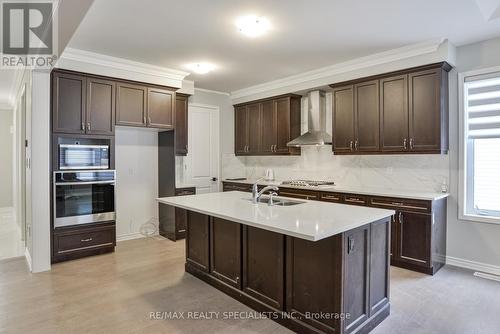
x=83, y=157
x=84, y=197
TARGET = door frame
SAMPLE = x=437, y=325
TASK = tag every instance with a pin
x=216, y=110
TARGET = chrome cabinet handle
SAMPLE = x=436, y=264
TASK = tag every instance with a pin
x=400, y=217
x=86, y=240
x=351, y=145
x=356, y=145
x=411, y=144
x=144, y=119
x=88, y=126
x=149, y=119
x=83, y=126
x=405, y=144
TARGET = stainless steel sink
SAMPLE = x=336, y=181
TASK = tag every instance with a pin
x=279, y=201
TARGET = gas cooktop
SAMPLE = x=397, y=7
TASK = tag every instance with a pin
x=308, y=183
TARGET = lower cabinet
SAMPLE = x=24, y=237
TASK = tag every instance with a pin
x=343, y=274
x=79, y=241
x=225, y=251
x=413, y=238
x=263, y=266
x=175, y=229
x=197, y=241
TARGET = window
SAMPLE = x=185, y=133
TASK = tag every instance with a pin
x=480, y=147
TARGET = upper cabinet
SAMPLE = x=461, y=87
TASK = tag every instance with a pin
x=265, y=127
x=68, y=103
x=398, y=112
x=181, y=124
x=90, y=104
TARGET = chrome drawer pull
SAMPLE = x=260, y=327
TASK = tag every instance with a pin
x=86, y=240
x=332, y=197
x=399, y=205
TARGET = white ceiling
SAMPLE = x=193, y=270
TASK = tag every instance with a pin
x=306, y=34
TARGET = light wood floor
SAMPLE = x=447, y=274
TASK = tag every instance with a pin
x=115, y=293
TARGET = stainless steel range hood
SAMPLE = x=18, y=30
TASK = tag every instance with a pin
x=316, y=134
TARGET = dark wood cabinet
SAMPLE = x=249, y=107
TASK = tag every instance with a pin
x=394, y=113
x=160, y=108
x=263, y=266
x=241, y=130
x=197, y=241
x=367, y=117
x=265, y=127
x=100, y=113
x=131, y=104
x=82, y=104
x=418, y=229
x=181, y=124
x=225, y=251
x=399, y=112
x=413, y=237
x=74, y=242
x=343, y=119
x=68, y=103
x=175, y=229
x=254, y=128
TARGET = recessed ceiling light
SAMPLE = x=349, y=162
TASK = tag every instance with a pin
x=253, y=26
x=201, y=68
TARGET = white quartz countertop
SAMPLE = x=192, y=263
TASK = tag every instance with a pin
x=311, y=220
x=383, y=192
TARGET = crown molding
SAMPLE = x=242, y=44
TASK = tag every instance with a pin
x=121, y=64
x=211, y=91
x=327, y=72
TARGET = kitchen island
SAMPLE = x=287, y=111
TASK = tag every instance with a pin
x=314, y=267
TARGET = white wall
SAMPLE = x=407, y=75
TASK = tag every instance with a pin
x=137, y=180
x=6, y=161
x=470, y=243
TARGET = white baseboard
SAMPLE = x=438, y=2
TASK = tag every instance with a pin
x=27, y=255
x=130, y=236
x=473, y=265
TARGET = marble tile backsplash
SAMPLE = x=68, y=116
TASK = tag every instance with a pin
x=414, y=172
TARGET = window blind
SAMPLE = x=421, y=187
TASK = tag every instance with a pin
x=483, y=106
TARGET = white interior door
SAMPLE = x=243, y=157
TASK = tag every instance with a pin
x=203, y=148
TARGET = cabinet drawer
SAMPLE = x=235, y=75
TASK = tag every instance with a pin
x=236, y=187
x=84, y=239
x=355, y=200
x=331, y=197
x=185, y=191
x=301, y=194
x=401, y=204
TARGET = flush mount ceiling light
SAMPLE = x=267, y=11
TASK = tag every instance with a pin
x=201, y=68
x=253, y=26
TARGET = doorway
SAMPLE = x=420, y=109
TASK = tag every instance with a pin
x=203, y=161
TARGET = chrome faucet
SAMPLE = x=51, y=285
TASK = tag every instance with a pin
x=256, y=194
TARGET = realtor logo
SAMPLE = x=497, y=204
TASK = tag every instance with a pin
x=27, y=34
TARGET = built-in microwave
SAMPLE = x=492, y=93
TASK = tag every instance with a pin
x=82, y=157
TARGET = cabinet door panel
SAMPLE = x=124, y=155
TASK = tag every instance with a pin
x=282, y=125
x=131, y=103
x=379, y=262
x=263, y=265
x=343, y=119
x=394, y=113
x=225, y=250
x=160, y=108
x=356, y=293
x=367, y=116
x=254, y=130
x=314, y=286
x=425, y=110
x=197, y=240
x=68, y=113
x=181, y=124
x=240, y=130
x=100, y=106
x=268, y=127
x=414, y=238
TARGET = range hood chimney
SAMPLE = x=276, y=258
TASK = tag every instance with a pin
x=316, y=134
